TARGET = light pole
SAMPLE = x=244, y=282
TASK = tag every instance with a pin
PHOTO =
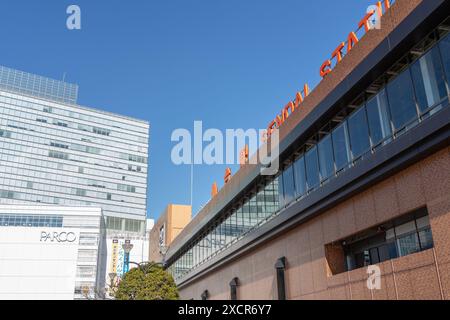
x=127, y=247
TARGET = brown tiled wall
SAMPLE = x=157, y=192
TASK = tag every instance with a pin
x=424, y=275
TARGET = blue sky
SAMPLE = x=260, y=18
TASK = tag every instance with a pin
x=231, y=64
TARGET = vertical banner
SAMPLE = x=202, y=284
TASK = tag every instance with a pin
x=120, y=261
x=114, y=256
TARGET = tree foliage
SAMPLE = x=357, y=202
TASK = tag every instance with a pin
x=149, y=282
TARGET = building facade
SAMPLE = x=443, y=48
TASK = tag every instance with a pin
x=60, y=153
x=364, y=183
x=50, y=252
x=169, y=225
x=53, y=151
x=115, y=252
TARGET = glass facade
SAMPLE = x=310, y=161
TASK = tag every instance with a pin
x=17, y=220
x=54, y=153
x=34, y=85
x=236, y=224
x=411, y=91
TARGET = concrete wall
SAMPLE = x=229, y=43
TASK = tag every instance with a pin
x=174, y=218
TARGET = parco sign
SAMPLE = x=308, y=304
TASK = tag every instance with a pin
x=59, y=237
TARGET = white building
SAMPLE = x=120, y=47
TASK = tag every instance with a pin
x=115, y=253
x=51, y=252
x=56, y=152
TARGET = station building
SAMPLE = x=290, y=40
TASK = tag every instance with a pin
x=364, y=181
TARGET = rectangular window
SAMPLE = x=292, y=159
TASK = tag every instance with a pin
x=80, y=192
x=253, y=211
x=300, y=177
x=400, y=237
x=429, y=80
x=408, y=244
x=378, y=115
x=289, y=186
x=261, y=204
x=445, y=53
x=341, y=146
x=312, y=169
x=401, y=100
x=359, y=133
x=280, y=191
x=240, y=218
x=246, y=214
x=326, y=161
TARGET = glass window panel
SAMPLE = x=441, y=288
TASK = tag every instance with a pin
x=386, y=252
x=289, y=187
x=445, y=53
x=326, y=161
x=405, y=228
x=359, y=133
x=390, y=234
x=233, y=224
x=240, y=218
x=213, y=240
x=374, y=259
x=426, y=239
x=228, y=231
x=300, y=176
x=271, y=197
x=280, y=191
x=378, y=115
x=253, y=211
x=262, y=211
x=246, y=215
x=408, y=244
x=401, y=100
x=429, y=80
x=341, y=146
x=312, y=168
x=423, y=222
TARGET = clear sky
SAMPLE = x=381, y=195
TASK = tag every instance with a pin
x=231, y=64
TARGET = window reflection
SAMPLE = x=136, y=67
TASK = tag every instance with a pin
x=341, y=146
x=289, y=187
x=280, y=191
x=378, y=117
x=300, y=176
x=401, y=100
x=326, y=161
x=359, y=133
x=429, y=81
x=312, y=168
x=445, y=53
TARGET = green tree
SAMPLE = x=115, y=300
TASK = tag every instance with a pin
x=149, y=282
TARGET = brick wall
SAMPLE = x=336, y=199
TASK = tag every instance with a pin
x=425, y=275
